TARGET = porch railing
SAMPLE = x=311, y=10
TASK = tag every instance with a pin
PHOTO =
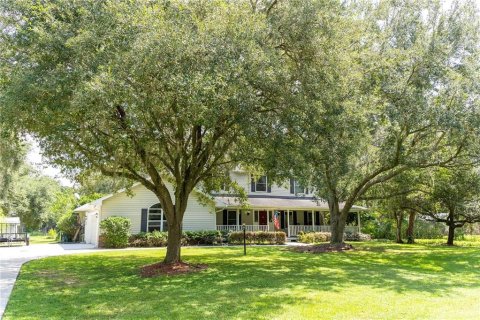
x=293, y=230
x=239, y=228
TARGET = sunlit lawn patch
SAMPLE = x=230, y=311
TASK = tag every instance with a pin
x=377, y=280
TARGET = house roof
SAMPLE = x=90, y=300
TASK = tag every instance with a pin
x=96, y=204
x=10, y=220
x=277, y=202
x=254, y=201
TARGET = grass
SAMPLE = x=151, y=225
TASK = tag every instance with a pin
x=376, y=281
x=41, y=239
x=464, y=241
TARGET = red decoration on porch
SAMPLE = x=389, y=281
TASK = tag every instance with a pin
x=276, y=220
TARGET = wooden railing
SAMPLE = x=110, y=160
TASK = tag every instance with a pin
x=293, y=230
x=239, y=228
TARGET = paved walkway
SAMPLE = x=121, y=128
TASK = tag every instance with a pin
x=12, y=258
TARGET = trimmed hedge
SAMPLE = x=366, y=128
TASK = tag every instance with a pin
x=258, y=237
x=194, y=238
x=316, y=237
x=189, y=238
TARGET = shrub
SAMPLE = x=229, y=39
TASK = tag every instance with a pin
x=160, y=239
x=317, y=237
x=52, y=234
x=258, y=237
x=157, y=239
x=193, y=238
x=115, y=232
x=314, y=237
x=68, y=225
x=357, y=237
x=138, y=240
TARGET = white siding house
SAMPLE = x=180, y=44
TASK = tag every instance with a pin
x=290, y=205
x=197, y=216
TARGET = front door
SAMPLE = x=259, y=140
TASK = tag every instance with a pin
x=262, y=218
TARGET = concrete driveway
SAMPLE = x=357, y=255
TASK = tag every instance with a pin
x=12, y=258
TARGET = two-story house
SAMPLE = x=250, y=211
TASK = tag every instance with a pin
x=293, y=204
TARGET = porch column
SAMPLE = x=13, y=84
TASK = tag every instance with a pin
x=313, y=220
x=268, y=219
x=358, y=219
x=288, y=223
x=238, y=221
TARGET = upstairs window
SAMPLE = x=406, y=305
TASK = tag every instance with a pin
x=260, y=185
x=296, y=187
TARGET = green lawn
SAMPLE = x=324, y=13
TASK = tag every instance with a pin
x=376, y=281
x=39, y=239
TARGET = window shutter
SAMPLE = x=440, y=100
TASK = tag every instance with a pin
x=295, y=221
x=252, y=185
x=143, y=221
x=305, y=218
x=225, y=217
x=282, y=219
x=317, y=218
x=292, y=186
x=240, y=218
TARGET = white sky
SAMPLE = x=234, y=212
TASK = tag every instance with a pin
x=34, y=157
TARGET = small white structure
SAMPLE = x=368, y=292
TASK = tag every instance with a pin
x=11, y=230
x=10, y=225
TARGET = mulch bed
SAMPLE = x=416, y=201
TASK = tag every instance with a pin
x=160, y=268
x=322, y=248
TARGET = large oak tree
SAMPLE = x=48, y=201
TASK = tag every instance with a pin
x=154, y=91
x=381, y=89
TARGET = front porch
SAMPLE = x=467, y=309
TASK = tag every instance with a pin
x=292, y=231
x=291, y=222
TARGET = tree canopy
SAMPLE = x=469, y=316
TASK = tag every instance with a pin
x=344, y=96
x=156, y=92
x=450, y=196
x=381, y=89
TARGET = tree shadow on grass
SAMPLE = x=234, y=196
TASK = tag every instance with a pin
x=234, y=286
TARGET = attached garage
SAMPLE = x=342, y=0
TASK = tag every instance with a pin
x=144, y=211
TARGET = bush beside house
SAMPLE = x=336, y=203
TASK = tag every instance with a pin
x=207, y=237
x=189, y=238
x=314, y=237
x=260, y=237
x=317, y=237
x=116, y=231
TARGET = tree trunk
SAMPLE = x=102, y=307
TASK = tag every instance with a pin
x=411, y=224
x=451, y=234
x=398, y=221
x=451, y=228
x=174, y=215
x=337, y=223
x=174, y=243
